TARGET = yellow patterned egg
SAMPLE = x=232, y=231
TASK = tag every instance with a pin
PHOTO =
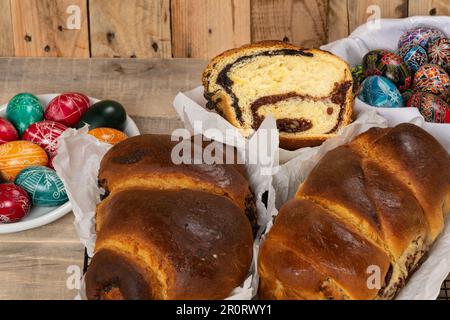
x=18, y=155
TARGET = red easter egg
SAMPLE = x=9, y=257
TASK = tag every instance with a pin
x=67, y=108
x=7, y=131
x=15, y=203
x=45, y=134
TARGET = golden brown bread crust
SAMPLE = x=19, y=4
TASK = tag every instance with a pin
x=221, y=102
x=378, y=187
x=145, y=161
x=326, y=260
x=175, y=245
x=419, y=162
x=170, y=231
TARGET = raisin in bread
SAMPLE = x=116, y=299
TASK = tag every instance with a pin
x=308, y=91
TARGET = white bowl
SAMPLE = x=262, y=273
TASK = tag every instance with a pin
x=39, y=216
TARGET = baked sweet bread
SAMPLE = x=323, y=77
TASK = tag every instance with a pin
x=308, y=91
x=374, y=205
x=166, y=230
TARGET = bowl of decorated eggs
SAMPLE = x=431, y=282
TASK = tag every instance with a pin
x=415, y=75
x=31, y=193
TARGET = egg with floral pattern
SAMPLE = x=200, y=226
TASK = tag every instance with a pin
x=7, y=131
x=380, y=92
x=67, y=108
x=45, y=134
x=414, y=56
x=389, y=65
x=18, y=155
x=15, y=203
x=23, y=110
x=431, y=107
x=43, y=185
x=432, y=78
x=422, y=36
x=439, y=53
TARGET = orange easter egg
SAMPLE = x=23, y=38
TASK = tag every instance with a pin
x=18, y=155
x=108, y=135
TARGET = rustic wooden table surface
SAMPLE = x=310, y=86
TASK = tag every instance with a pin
x=42, y=263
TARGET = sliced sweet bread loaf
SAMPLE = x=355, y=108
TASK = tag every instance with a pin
x=308, y=91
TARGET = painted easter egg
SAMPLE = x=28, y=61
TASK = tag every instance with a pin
x=380, y=92
x=358, y=73
x=14, y=203
x=45, y=134
x=414, y=56
x=7, y=131
x=439, y=53
x=18, y=155
x=407, y=95
x=422, y=36
x=389, y=65
x=43, y=185
x=106, y=113
x=23, y=110
x=67, y=108
x=432, y=108
x=108, y=135
x=432, y=78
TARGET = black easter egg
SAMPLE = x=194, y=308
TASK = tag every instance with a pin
x=106, y=113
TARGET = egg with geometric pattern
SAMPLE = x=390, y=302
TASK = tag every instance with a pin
x=414, y=56
x=45, y=134
x=67, y=108
x=389, y=65
x=23, y=110
x=422, y=36
x=380, y=92
x=439, y=53
x=108, y=135
x=43, y=185
x=18, y=155
x=432, y=78
x=431, y=107
x=15, y=203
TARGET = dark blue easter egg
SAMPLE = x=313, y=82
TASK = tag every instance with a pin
x=43, y=185
x=23, y=110
x=380, y=92
x=414, y=56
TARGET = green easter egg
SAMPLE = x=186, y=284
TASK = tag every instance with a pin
x=23, y=110
x=106, y=113
x=43, y=185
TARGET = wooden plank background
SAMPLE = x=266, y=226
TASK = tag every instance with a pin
x=184, y=28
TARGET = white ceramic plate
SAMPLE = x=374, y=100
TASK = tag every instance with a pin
x=40, y=216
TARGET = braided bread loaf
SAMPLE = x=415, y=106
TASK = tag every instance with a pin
x=377, y=203
x=167, y=231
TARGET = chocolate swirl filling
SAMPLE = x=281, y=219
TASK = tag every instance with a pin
x=226, y=83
